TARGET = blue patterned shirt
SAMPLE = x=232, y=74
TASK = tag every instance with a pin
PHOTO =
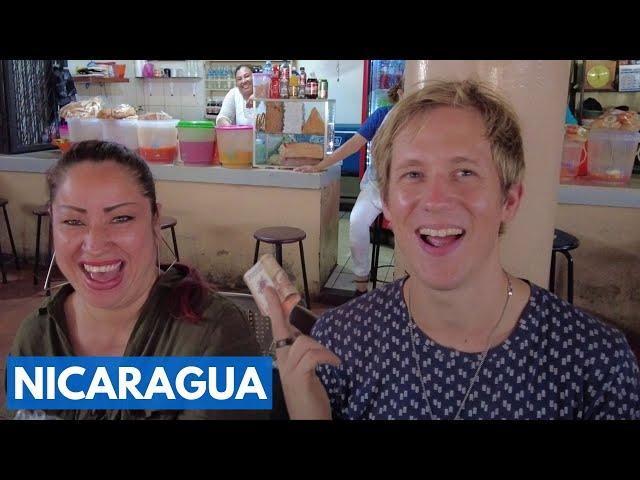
x=558, y=362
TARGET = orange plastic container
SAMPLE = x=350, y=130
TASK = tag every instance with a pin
x=235, y=146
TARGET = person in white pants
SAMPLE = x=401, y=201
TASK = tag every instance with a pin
x=368, y=205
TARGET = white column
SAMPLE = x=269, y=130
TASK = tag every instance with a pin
x=538, y=91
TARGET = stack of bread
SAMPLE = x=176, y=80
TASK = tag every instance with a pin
x=123, y=111
x=84, y=109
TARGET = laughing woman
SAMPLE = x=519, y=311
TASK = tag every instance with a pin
x=118, y=302
x=237, y=106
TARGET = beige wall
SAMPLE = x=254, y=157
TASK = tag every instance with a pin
x=215, y=224
x=538, y=91
x=607, y=263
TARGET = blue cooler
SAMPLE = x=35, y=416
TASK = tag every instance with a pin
x=351, y=164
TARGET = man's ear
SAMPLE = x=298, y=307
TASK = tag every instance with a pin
x=512, y=202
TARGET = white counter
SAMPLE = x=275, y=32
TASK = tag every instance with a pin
x=627, y=196
x=40, y=162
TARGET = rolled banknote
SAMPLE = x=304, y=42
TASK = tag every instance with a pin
x=267, y=272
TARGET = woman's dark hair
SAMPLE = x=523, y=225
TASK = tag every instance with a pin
x=244, y=65
x=392, y=93
x=96, y=151
x=187, y=301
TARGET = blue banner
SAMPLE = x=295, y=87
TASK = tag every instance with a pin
x=134, y=383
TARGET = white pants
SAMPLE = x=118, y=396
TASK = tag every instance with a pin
x=366, y=209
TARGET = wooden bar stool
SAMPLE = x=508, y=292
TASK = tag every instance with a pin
x=279, y=236
x=170, y=222
x=563, y=243
x=3, y=204
x=41, y=211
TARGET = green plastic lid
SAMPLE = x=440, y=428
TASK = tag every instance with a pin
x=196, y=124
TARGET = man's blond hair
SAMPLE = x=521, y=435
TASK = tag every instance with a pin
x=501, y=122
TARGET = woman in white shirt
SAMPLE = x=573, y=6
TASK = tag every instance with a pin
x=237, y=106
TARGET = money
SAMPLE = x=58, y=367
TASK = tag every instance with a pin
x=267, y=272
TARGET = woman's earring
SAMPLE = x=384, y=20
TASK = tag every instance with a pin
x=172, y=252
x=46, y=281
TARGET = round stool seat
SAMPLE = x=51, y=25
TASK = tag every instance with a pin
x=563, y=241
x=42, y=210
x=167, y=222
x=3, y=202
x=280, y=235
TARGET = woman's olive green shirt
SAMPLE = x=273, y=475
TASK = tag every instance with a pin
x=222, y=331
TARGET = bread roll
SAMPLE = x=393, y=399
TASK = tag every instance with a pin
x=123, y=111
x=306, y=150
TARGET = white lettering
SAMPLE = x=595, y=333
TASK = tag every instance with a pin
x=101, y=383
x=213, y=384
x=22, y=378
x=159, y=383
x=62, y=383
x=200, y=385
x=51, y=383
x=251, y=375
x=125, y=383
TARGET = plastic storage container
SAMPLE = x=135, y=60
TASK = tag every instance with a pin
x=158, y=140
x=572, y=152
x=611, y=155
x=81, y=129
x=235, y=146
x=124, y=131
x=197, y=142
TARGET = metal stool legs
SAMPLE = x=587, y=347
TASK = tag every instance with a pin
x=569, y=276
x=375, y=254
x=552, y=274
x=36, y=265
x=13, y=245
x=307, y=298
x=255, y=257
x=175, y=243
x=4, y=273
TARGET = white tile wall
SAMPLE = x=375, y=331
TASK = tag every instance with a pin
x=152, y=95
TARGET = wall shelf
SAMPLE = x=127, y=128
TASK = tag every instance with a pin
x=90, y=79
x=169, y=78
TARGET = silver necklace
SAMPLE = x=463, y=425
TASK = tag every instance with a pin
x=415, y=339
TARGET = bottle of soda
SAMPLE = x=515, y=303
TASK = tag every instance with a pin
x=274, y=91
x=285, y=70
x=311, y=88
x=303, y=83
x=267, y=67
x=284, y=87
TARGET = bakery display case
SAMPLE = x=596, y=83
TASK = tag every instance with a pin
x=290, y=132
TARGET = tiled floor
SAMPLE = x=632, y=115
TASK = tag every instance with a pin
x=342, y=277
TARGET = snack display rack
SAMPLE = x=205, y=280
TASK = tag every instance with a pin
x=291, y=132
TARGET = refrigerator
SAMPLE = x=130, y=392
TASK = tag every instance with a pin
x=379, y=76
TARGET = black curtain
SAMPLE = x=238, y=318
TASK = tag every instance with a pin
x=28, y=105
